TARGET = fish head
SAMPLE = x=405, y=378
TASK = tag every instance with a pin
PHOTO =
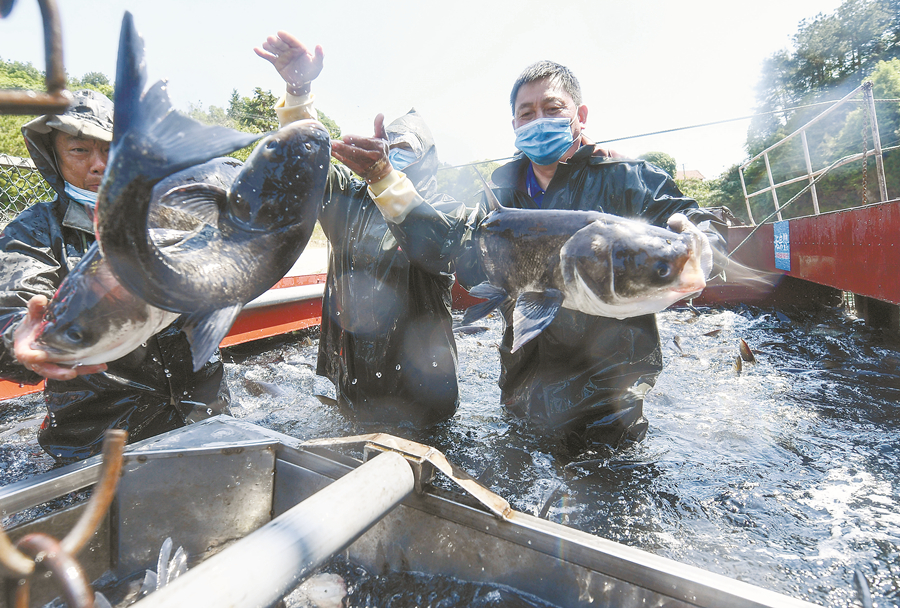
x=625, y=268
x=285, y=174
x=91, y=317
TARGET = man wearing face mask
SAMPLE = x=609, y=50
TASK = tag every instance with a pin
x=583, y=375
x=386, y=338
x=149, y=391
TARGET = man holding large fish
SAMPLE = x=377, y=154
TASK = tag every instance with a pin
x=386, y=338
x=577, y=282
x=150, y=390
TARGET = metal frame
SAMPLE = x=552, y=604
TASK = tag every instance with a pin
x=57, y=98
x=811, y=175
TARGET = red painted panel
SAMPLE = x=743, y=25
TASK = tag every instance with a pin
x=9, y=389
x=261, y=323
x=856, y=250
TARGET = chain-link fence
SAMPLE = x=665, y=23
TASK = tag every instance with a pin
x=21, y=185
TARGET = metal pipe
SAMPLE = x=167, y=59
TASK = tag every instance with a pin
x=772, y=186
x=263, y=567
x=821, y=116
x=104, y=492
x=876, y=142
x=809, y=172
x=57, y=98
x=746, y=198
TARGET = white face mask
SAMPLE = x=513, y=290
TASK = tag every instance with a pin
x=88, y=198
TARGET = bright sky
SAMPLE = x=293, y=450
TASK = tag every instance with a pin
x=644, y=65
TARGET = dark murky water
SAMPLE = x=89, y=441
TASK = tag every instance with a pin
x=785, y=475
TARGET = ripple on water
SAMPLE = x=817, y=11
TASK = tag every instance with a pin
x=784, y=476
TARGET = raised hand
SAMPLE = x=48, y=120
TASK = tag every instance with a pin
x=365, y=156
x=297, y=65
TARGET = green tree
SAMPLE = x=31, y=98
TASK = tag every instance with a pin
x=97, y=81
x=831, y=55
x=661, y=160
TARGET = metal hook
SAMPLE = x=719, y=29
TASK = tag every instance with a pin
x=57, y=98
x=22, y=564
x=49, y=555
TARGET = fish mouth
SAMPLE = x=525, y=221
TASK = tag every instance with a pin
x=691, y=279
x=60, y=357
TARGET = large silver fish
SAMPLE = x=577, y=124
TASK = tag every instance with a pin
x=592, y=262
x=92, y=318
x=263, y=221
x=242, y=236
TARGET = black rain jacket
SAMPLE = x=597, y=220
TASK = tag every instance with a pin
x=149, y=391
x=386, y=337
x=583, y=374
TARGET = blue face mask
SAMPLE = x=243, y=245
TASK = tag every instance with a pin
x=401, y=158
x=87, y=198
x=545, y=140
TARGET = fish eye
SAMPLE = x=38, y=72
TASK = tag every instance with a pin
x=663, y=270
x=74, y=334
x=271, y=144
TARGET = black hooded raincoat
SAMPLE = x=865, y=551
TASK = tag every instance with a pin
x=147, y=392
x=386, y=341
x=587, y=375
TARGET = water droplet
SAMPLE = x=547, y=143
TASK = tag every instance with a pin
x=398, y=367
x=434, y=364
x=353, y=381
x=209, y=410
x=168, y=375
x=338, y=313
x=378, y=374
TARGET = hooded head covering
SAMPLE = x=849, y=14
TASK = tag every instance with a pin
x=410, y=129
x=89, y=115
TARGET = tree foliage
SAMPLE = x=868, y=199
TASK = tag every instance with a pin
x=661, y=160
x=831, y=55
x=254, y=114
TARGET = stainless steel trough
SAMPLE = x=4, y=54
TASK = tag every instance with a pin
x=243, y=502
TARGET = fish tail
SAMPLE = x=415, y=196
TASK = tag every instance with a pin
x=176, y=140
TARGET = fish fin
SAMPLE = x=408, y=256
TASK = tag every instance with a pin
x=534, y=311
x=100, y=601
x=166, y=237
x=493, y=295
x=181, y=142
x=162, y=563
x=205, y=330
x=203, y=201
x=131, y=76
x=326, y=400
x=492, y=203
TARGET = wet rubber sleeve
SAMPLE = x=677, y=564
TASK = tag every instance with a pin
x=28, y=267
x=292, y=108
x=395, y=196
